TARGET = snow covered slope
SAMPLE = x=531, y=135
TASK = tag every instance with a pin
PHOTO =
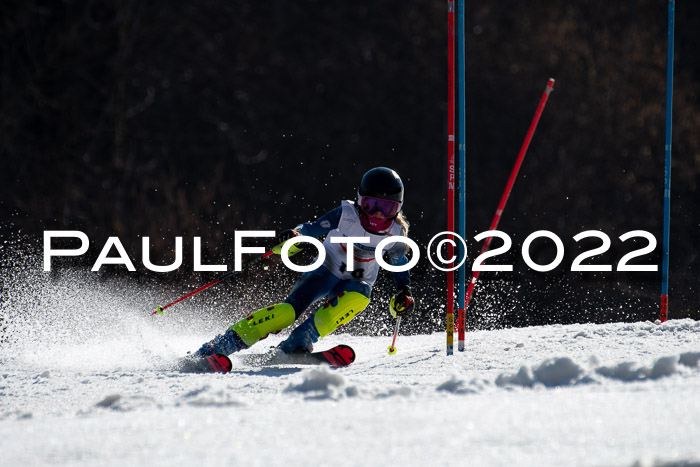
x=85, y=379
x=598, y=395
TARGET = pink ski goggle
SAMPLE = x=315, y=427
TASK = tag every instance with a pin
x=372, y=205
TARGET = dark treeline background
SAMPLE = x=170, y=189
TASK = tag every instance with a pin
x=164, y=119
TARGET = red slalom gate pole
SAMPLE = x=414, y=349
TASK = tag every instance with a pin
x=502, y=204
x=450, y=169
x=160, y=309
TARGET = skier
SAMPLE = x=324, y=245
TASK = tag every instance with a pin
x=375, y=214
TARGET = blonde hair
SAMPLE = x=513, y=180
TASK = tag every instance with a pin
x=403, y=222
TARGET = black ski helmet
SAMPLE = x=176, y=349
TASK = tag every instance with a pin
x=381, y=182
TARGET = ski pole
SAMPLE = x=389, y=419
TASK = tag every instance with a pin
x=502, y=205
x=277, y=249
x=392, y=348
x=160, y=309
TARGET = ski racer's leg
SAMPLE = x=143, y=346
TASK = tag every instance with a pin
x=251, y=329
x=310, y=287
x=339, y=310
x=351, y=297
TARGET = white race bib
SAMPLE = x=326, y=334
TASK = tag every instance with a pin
x=365, y=266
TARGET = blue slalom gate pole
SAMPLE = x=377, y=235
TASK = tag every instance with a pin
x=667, y=168
x=461, y=316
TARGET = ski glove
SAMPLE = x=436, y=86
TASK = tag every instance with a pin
x=286, y=235
x=401, y=303
x=282, y=239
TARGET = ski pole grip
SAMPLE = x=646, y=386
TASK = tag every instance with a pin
x=283, y=238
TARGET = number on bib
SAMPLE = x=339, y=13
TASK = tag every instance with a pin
x=357, y=273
